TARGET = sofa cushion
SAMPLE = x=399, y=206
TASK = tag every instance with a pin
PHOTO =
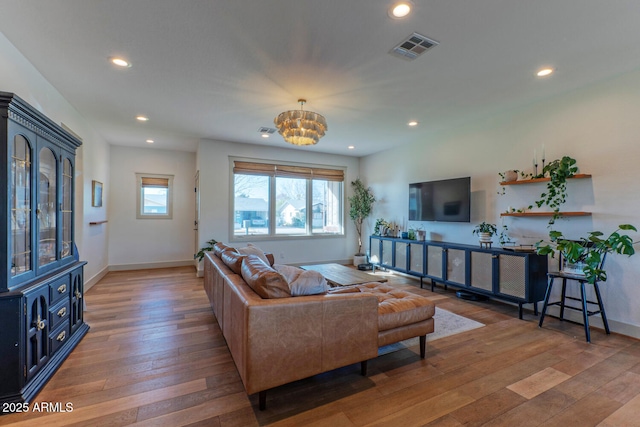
x=263, y=279
x=302, y=282
x=220, y=247
x=233, y=260
x=395, y=307
x=252, y=249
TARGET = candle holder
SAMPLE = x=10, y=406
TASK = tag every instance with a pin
x=535, y=170
x=543, y=167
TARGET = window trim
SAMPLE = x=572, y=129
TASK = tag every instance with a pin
x=139, y=195
x=273, y=169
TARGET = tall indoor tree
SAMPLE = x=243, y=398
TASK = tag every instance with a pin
x=361, y=205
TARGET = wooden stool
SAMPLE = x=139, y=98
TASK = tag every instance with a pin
x=485, y=244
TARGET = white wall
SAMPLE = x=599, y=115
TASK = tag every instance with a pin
x=213, y=164
x=598, y=126
x=17, y=75
x=146, y=243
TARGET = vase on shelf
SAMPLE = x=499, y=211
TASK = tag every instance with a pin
x=511, y=175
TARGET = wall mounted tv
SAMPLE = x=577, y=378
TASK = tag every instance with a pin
x=447, y=200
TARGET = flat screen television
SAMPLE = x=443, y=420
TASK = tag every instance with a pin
x=447, y=200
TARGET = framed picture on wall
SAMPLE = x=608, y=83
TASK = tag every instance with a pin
x=96, y=194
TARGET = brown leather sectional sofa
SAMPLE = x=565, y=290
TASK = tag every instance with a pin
x=277, y=340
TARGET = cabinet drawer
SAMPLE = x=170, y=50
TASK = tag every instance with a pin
x=59, y=313
x=59, y=289
x=58, y=337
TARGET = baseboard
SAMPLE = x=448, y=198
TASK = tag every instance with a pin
x=95, y=279
x=151, y=265
x=595, y=321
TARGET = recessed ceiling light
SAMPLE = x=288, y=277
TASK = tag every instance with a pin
x=120, y=62
x=401, y=9
x=142, y=118
x=412, y=123
x=265, y=135
x=150, y=141
x=544, y=72
x=351, y=147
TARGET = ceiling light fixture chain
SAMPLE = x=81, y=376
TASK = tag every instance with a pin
x=300, y=127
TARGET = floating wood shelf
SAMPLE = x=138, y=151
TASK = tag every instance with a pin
x=97, y=222
x=546, y=214
x=535, y=180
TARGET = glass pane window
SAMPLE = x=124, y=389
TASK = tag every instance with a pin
x=251, y=205
x=47, y=213
x=327, y=207
x=155, y=194
x=291, y=205
x=20, y=206
x=286, y=200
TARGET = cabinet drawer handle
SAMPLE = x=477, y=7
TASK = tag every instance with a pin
x=62, y=289
x=78, y=295
x=40, y=325
x=62, y=336
x=62, y=311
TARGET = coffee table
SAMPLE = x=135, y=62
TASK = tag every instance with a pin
x=341, y=275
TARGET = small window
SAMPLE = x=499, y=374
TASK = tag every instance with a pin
x=155, y=196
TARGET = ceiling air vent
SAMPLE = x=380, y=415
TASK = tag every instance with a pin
x=413, y=46
x=266, y=130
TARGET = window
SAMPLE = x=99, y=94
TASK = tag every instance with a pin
x=286, y=200
x=155, y=195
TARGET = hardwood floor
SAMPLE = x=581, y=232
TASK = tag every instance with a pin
x=155, y=356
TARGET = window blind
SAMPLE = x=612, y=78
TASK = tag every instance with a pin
x=155, y=182
x=252, y=168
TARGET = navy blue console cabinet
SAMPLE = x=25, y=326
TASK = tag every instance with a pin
x=518, y=277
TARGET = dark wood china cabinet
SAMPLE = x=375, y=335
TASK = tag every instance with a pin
x=41, y=282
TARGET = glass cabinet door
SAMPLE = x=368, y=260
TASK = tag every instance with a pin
x=47, y=212
x=67, y=208
x=20, y=206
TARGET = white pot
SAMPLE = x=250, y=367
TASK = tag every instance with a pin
x=510, y=176
x=485, y=237
x=359, y=259
x=574, y=268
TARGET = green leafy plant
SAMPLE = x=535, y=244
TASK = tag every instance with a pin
x=556, y=195
x=589, y=250
x=485, y=228
x=504, y=237
x=205, y=249
x=380, y=226
x=361, y=205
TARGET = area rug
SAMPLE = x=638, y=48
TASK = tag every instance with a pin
x=446, y=324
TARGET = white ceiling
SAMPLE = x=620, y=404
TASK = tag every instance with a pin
x=221, y=69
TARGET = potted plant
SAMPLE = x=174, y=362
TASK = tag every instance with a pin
x=587, y=253
x=485, y=231
x=559, y=170
x=205, y=249
x=361, y=204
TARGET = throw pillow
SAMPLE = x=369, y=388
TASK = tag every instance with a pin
x=252, y=249
x=308, y=283
x=233, y=260
x=220, y=247
x=302, y=282
x=264, y=280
